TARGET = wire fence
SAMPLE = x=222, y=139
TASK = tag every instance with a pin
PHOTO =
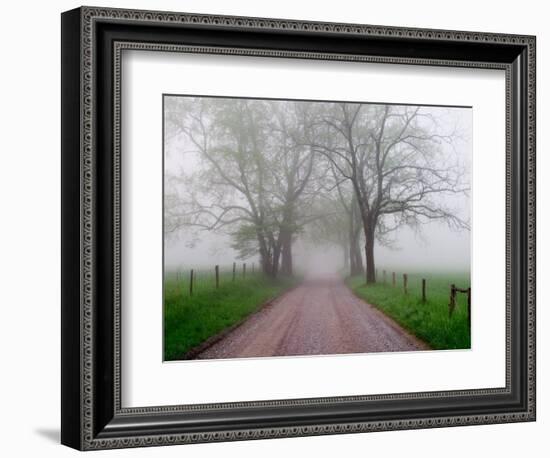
x=191, y=281
x=418, y=285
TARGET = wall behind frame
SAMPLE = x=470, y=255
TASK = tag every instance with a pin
x=30, y=240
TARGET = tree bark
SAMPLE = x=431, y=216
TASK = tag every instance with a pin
x=265, y=255
x=346, y=251
x=355, y=252
x=369, y=255
x=286, y=253
x=276, y=258
x=351, y=251
x=356, y=261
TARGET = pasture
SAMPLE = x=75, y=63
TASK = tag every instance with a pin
x=429, y=320
x=192, y=317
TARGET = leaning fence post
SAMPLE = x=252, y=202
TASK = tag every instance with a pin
x=244, y=269
x=423, y=290
x=191, y=283
x=393, y=278
x=217, y=269
x=405, y=283
x=234, y=267
x=452, y=300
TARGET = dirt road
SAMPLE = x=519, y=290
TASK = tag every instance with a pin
x=319, y=317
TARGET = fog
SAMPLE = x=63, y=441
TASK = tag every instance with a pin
x=435, y=248
x=424, y=244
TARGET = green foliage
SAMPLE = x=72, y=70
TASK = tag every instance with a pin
x=245, y=241
x=190, y=320
x=430, y=320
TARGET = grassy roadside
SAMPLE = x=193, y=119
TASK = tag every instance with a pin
x=190, y=320
x=427, y=320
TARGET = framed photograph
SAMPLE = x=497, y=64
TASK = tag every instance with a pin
x=276, y=228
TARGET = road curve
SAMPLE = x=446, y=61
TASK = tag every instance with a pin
x=319, y=317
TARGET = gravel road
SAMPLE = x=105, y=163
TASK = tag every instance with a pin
x=319, y=317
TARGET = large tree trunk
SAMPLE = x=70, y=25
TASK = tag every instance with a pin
x=356, y=261
x=265, y=255
x=359, y=269
x=286, y=253
x=346, y=251
x=285, y=239
x=276, y=257
x=369, y=254
x=351, y=252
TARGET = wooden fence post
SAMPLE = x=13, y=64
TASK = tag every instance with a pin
x=244, y=269
x=393, y=278
x=217, y=269
x=384, y=273
x=452, y=300
x=191, y=283
x=423, y=290
x=405, y=283
x=234, y=268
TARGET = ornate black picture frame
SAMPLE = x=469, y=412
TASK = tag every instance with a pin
x=92, y=42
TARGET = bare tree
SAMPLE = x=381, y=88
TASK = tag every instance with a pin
x=393, y=156
x=253, y=176
x=230, y=189
x=353, y=215
x=349, y=227
x=338, y=223
x=330, y=227
x=293, y=170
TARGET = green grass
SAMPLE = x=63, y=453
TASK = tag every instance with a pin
x=430, y=320
x=190, y=320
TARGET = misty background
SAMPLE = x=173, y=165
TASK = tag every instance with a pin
x=431, y=244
